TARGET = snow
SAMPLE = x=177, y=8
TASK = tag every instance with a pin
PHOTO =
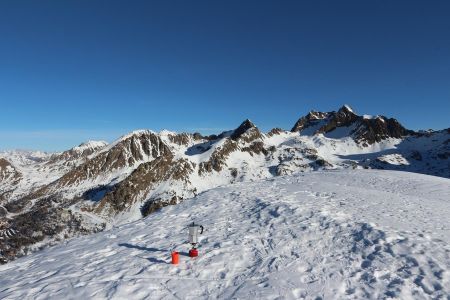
x=126, y=136
x=90, y=145
x=311, y=130
x=25, y=157
x=166, y=132
x=331, y=235
x=341, y=132
x=370, y=117
x=348, y=108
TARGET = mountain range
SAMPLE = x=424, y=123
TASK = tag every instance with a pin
x=48, y=197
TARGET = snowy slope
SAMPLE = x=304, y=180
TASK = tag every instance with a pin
x=46, y=198
x=25, y=157
x=347, y=234
x=41, y=168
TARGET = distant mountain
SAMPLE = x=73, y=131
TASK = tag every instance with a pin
x=73, y=155
x=49, y=197
x=365, y=130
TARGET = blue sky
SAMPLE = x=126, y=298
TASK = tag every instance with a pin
x=77, y=70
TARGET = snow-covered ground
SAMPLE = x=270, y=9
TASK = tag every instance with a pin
x=346, y=234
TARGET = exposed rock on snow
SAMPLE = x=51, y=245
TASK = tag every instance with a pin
x=275, y=131
x=218, y=157
x=312, y=119
x=145, y=178
x=129, y=152
x=348, y=234
x=246, y=132
x=365, y=131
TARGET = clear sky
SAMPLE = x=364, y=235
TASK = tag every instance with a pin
x=87, y=69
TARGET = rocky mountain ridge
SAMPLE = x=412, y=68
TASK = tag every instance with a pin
x=95, y=185
x=365, y=129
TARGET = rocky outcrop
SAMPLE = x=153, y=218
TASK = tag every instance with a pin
x=328, y=121
x=145, y=178
x=184, y=139
x=294, y=159
x=370, y=131
x=217, y=160
x=343, y=117
x=257, y=148
x=311, y=119
x=128, y=152
x=365, y=130
x=246, y=132
x=275, y=131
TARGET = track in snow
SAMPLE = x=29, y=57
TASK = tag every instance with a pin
x=345, y=234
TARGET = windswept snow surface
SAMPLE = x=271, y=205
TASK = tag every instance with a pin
x=324, y=235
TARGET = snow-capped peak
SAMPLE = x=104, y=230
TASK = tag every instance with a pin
x=247, y=124
x=166, y=132
x=315, y=115
x=138, y=132
x=348, y=108
x=243, y=128
x=90, y=145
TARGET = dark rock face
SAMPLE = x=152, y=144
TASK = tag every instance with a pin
x=367, y=131
x=247, y=132
x=275, y=131
x=156, y=204
x=375, y=130
x=182, y=138
x=217, y=161
x=141, y=181
x=238, y=132
x=256, y=148
x=311, y=119
x=126, y=153
x=344, y=117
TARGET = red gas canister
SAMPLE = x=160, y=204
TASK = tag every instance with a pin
x=193, y=253
x=175, y=258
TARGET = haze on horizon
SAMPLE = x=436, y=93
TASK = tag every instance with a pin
x=78, y=70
